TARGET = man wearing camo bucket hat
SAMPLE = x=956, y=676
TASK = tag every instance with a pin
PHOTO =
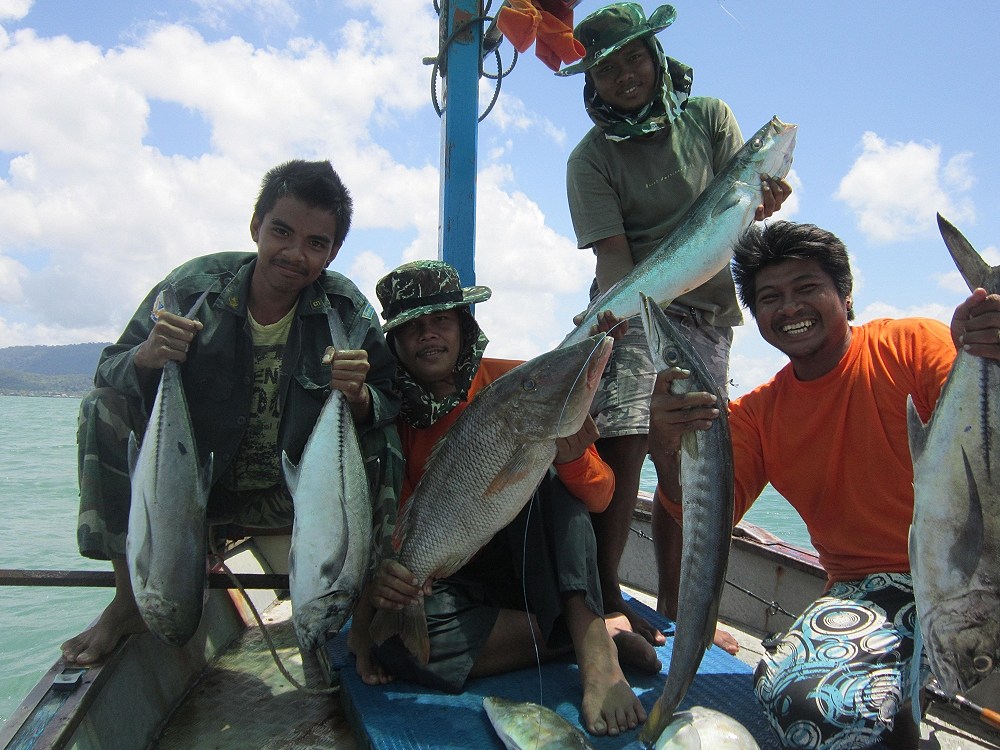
x=652, y=151
x=476, y=617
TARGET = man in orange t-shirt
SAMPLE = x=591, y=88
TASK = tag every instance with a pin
x=829, y=432
x=480, y=619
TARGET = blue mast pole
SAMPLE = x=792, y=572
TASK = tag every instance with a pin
x=460, y=62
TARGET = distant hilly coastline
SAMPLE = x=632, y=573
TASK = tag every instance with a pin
x=66, y=370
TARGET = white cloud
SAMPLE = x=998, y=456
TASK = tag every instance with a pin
x=953, y=281
x=895, y=189
x=14, y=10
x=12, y=275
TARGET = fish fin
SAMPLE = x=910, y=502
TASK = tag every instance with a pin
x=409, y=624
x=970, y=264
x=917, y=431
x=689, y=444
x=731, y=199
x=967, y=551
x=512, y=471
x=133, y=452
x=916, y=683
x=206, y=475
x=660, y=716
x=291, y=472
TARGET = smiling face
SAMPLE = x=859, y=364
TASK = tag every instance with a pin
x=428, y=346
x=295, y=242
x=799, y=312
x=626, y=79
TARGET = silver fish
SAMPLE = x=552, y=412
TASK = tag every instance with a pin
x=955, y=534
x=332, y=525
x=166, y=544
x=707, y=483
x=530, y=726
x=484, y=471
x=701, y=245
x=701, y=728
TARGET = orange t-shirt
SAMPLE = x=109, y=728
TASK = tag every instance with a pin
x=837, y=447
x=588, y=477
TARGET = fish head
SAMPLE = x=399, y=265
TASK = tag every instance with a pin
x=669, y=347
x=963, y=639
x=550, y=396
x=768, y=151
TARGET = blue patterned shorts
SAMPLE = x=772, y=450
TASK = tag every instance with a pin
x=841, y=673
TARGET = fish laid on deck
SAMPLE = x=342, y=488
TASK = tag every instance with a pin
x=166, y=545
x=955, y=534
x=703, y=728
x=526, y=726
x=329, y=555
x=485, y=469
x=706, y=477
x=701, y=245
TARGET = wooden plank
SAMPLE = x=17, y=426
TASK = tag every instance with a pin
x=106, y=578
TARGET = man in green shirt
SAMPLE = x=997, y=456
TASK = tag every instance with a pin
x=256, y=374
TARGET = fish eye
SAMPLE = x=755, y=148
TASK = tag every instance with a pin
x=671, y=356
x=982, y=664
x=528, y=385
x=757, y=143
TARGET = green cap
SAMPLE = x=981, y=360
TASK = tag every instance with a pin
x=607, y=30
x=421, y=287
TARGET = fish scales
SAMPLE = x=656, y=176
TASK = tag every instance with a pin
x=955, y=533
x=706, y=477
x=701, y=244
x=166, y=544
x=530, y=726
x=332, y=526
x=485, y=469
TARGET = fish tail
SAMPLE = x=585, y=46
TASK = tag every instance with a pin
x=409, y=625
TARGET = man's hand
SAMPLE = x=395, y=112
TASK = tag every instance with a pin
x=348, y=370
x=170, y=339
x=572, y=447
x=773, y=193
x=395, y=587
x=672, y=415
x=975, y=326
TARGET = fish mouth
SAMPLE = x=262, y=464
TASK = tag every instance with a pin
x=598, y=360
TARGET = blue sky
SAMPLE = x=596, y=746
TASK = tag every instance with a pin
x=135, y=134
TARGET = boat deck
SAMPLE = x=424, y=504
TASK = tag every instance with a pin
x=244, y=700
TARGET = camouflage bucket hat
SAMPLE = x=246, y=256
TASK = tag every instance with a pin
x=607, y=30
x=421, y=287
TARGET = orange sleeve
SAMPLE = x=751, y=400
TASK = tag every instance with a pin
x=590, y=479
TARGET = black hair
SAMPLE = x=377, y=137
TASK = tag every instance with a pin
x=785, y=240
x=315, y=183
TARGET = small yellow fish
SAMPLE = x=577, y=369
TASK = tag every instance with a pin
x=529, y=726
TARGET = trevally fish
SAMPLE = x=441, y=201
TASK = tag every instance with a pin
x=701, y=728
x=530, y=726
x=706, y=477
x=483, y=472
x=701, y=245
x=332, y=525
x=955, y=534
x=166, y=544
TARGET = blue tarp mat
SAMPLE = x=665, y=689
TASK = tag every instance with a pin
x=403, y=716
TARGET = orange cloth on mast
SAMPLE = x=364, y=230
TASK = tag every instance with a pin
x=547, y=23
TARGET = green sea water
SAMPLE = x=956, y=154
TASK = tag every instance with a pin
x=38, y=497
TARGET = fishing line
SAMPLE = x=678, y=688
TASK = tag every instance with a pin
x=220, y=562
x=524, y=543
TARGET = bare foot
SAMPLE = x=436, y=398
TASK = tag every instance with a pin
x=725, y=640
x=120, y=618
x=639, y=624
x=369, y=669
x=633, y=649
x=609, y=706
